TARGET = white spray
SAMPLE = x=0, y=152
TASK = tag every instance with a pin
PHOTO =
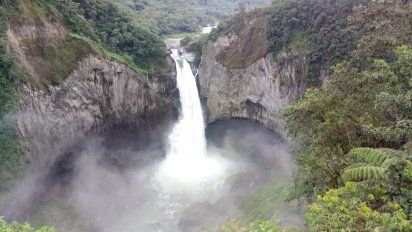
x=187, y=167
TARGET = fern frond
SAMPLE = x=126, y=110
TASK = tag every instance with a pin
x=364, y=172
x=372, y=156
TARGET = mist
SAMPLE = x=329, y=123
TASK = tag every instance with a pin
x=108, y=182
x=185, y=177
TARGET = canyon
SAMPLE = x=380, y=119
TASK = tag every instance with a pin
x=291, y=117
x=101, y=93
x=60, y=117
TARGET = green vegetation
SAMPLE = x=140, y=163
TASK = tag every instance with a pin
x=251, y=44
x=319, y=26
x=113, y=27
x=10, y=162
x=230, y=26
x=373, y=164
x=353, y=135
x=268, y=201
x=52, y=59
x=165, y=17
x=378, y=200
x=257, y=226
x=367, y=103
x=354, y=208
x=60, y=215
x=63, y=57
x=250, y=31
x=17, y=227
x=355, y=109
x=60, y=57
x=195, y=45
x=322, y=28
x=99, y=26
x=119, y=58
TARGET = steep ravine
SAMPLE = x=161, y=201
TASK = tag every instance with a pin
x=257, y=92
x=73, y=90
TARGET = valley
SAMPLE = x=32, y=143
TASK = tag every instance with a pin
x=156, y=115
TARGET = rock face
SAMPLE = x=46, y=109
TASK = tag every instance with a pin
x=99, y=95
x=72, y=89
x=257, y=92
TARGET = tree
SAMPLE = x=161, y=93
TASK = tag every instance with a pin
x=388, y=168
x=370, y=106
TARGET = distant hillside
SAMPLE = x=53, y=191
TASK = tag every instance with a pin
x=177, y=16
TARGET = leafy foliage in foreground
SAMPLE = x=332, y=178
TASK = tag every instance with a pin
x=373, y=164
x=257, y=226
x=366, y=46
x=354, y=207
x=387, y=169
x=17, y=227
x=352, y=111
x=358, y=127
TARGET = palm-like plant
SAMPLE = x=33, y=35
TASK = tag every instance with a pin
x=377, y=164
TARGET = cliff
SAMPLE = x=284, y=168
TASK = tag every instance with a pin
x=71, y=88
x=97, y=96
x=238, y=78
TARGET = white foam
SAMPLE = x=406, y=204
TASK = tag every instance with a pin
x=187, y=167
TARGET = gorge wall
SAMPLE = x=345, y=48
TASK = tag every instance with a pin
x=239, y=78
x=100, y=94
x=71, y=89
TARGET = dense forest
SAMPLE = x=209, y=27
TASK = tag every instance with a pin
x=352, y=135
x=114, y=28
x=176, y=16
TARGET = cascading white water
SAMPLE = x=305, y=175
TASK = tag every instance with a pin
x=187, y=166
x=187, y=139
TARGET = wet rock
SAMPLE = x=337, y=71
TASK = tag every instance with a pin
x=100, y=94
x=257, y=92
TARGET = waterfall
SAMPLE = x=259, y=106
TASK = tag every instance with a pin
x=187, y=140
x=187, y=166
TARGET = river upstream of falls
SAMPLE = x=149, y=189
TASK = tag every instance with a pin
x=196, y=180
